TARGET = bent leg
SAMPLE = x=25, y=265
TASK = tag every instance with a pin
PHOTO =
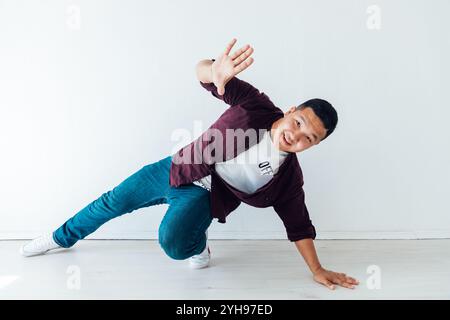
x=182, y=230
x=148, y=186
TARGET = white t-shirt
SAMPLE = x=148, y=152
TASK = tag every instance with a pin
x=251, y=169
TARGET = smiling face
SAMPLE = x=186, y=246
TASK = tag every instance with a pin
x=298, y=130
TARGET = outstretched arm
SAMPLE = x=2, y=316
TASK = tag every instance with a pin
x=321, y=275
x=300, y=230
x=225, y=67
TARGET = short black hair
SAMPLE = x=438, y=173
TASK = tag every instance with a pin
x=325, y=111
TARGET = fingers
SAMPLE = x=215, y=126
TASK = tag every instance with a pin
x=348, y=279
x=229, y=46
x=343, y=280
x=239, y=52
x=340, y=279
x=244, y=65
x=340, y=282
x=346, y=284
x=243, y=55
x=330, y=278
x=323, y=280
x=352, y=280
x=329, y=284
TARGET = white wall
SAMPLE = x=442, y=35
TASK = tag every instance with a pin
x=84, y=108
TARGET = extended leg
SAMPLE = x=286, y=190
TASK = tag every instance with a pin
x=146, y=187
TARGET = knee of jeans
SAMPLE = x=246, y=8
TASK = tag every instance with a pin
x=173, y=244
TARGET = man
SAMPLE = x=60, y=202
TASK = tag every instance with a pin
x=211, y=176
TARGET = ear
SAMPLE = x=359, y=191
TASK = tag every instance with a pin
x=291, y=109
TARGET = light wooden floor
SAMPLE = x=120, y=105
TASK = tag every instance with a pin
x=240, y=269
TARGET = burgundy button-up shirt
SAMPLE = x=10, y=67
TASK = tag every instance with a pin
x=249, y=109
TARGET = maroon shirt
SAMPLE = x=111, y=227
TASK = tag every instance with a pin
x=249, y=109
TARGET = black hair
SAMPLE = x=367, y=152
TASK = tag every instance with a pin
x=325, y=111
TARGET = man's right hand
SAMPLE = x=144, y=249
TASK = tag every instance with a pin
x=330, y=278
x=226, y=67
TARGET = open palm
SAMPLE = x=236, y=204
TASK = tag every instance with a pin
x=226, y=67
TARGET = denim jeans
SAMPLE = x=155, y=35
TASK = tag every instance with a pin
x=182, y=230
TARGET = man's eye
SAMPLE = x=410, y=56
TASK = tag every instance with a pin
x=298, y=123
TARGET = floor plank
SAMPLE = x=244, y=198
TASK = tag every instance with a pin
x=240, y=269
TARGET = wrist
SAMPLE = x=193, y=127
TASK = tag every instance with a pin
x=317, y=269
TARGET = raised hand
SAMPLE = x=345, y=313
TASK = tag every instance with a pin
x=226, y=67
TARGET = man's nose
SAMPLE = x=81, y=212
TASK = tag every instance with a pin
x=296, y=136
x=290, y=136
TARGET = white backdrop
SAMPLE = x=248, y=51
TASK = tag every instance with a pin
x=91, y=91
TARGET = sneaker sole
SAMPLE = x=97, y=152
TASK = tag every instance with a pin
x=196, y=266
x=26, y=254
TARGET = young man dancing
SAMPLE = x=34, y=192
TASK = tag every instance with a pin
x=248, y=155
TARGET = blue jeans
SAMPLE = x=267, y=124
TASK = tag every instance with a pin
x=182, y=230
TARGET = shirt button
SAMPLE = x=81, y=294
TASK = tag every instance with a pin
x=267, y=198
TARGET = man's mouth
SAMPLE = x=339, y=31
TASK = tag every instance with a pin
x=285, y=140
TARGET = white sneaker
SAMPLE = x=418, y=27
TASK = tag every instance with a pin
x=39, y=246
x=201, y=260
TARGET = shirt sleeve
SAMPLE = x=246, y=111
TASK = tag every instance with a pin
x=237, y=91
x=295, y=217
